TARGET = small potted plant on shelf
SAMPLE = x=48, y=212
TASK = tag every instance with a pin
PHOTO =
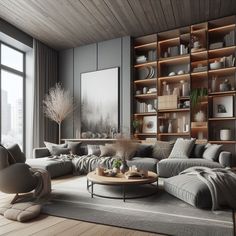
x=136, y=125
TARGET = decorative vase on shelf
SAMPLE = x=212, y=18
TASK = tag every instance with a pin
x=124, y=167
x=170, y=127
x=200, y=116
x=225, y=134
x=161, y=128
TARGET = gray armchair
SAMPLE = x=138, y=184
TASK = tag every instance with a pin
x=15, y=176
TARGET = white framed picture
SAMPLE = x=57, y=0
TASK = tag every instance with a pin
x=149, y=124
x=223, y=106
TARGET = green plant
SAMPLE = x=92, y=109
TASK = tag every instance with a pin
x=196, y=95
x=117, y=163
x=136, y=123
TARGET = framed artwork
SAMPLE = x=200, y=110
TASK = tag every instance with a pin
x=149, y=124
x=100, y=103
x=223, y=106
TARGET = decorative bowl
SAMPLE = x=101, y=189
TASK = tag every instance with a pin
x=171, y=74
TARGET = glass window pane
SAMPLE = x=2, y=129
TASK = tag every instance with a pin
x=11, y=58
x=11, y=108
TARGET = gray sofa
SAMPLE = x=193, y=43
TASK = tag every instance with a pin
x=165, y=168
x=172, y=167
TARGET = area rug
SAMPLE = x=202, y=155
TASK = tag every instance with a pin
x=159, y=213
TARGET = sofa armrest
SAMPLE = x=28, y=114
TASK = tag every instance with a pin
x=41, y=152
x=225, y=159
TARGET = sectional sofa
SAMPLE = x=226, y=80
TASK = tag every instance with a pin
x=154, y=157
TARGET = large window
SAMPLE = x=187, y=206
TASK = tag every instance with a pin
x=12, y=96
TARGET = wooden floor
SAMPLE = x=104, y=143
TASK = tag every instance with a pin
x=46, y=225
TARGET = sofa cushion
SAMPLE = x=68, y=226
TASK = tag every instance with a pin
x=162, y=149
x=190, y=189
x=198, y=151
x=74, y=147
x=107, y=150
x=146, y=163
x=57, y=151
x=50, y=145
x=182, y=148
x=212, y=152
x=55, y=167
x=171, y=167
x=144, y=150
x=94, y=150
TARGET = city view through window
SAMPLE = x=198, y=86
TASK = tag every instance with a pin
x=12, y=78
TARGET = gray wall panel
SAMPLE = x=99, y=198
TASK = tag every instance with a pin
x=109, y=54
x=126, y=96
x=66, y=62
x=85, y=59
x=102, y=55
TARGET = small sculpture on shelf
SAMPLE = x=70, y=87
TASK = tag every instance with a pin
x=225, y=86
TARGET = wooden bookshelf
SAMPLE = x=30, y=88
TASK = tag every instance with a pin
x=175, y=51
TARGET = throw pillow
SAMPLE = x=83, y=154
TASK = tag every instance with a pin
x=94, y=150
x=107, y=150
x=144, y=150
x=10, y=158
x=162, y=149
x=74, y=147
x=212, y=152
x=182, y=148
x=4, y=158
x=197, y=151
x=50, y=145
x=129, y=154
x=16, y=154
x=57, y=151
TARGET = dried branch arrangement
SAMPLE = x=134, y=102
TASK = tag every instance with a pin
x=58, y=104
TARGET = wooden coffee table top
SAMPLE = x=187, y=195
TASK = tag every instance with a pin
x=120, y=179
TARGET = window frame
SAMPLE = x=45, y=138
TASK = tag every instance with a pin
x=16, y=72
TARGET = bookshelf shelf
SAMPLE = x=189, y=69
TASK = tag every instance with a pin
x=188, y=51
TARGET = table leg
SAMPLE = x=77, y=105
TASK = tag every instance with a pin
x=124, y=193
x=92, y=189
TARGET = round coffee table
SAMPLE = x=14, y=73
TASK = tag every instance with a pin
x=120, y=180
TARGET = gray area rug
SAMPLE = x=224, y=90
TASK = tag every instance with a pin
x=160, y=213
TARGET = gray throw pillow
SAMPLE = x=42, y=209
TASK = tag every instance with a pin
x=107, y=150
x=74, y=147
x=16, y=153
x=50, y=145
x=198, y=151
x=212, y=152
x=182, y=148
x=57, y=151
x=144, y=150
x=162, y=149
x=94, y=150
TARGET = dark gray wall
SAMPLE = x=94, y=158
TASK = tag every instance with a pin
x=97, y=56
x=15, y=33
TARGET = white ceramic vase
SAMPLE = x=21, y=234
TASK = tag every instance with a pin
x=225, y=134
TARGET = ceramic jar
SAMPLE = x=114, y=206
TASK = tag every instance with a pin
x=225, y=134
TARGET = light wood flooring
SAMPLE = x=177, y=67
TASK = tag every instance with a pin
x=46, y=225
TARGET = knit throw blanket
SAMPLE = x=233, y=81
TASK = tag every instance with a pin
x=221, y=184
x=44, y=183
x=85, y=164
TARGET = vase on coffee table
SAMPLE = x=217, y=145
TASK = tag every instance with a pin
x=124, y=167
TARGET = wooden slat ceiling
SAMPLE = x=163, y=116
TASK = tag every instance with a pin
x=65, y=24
